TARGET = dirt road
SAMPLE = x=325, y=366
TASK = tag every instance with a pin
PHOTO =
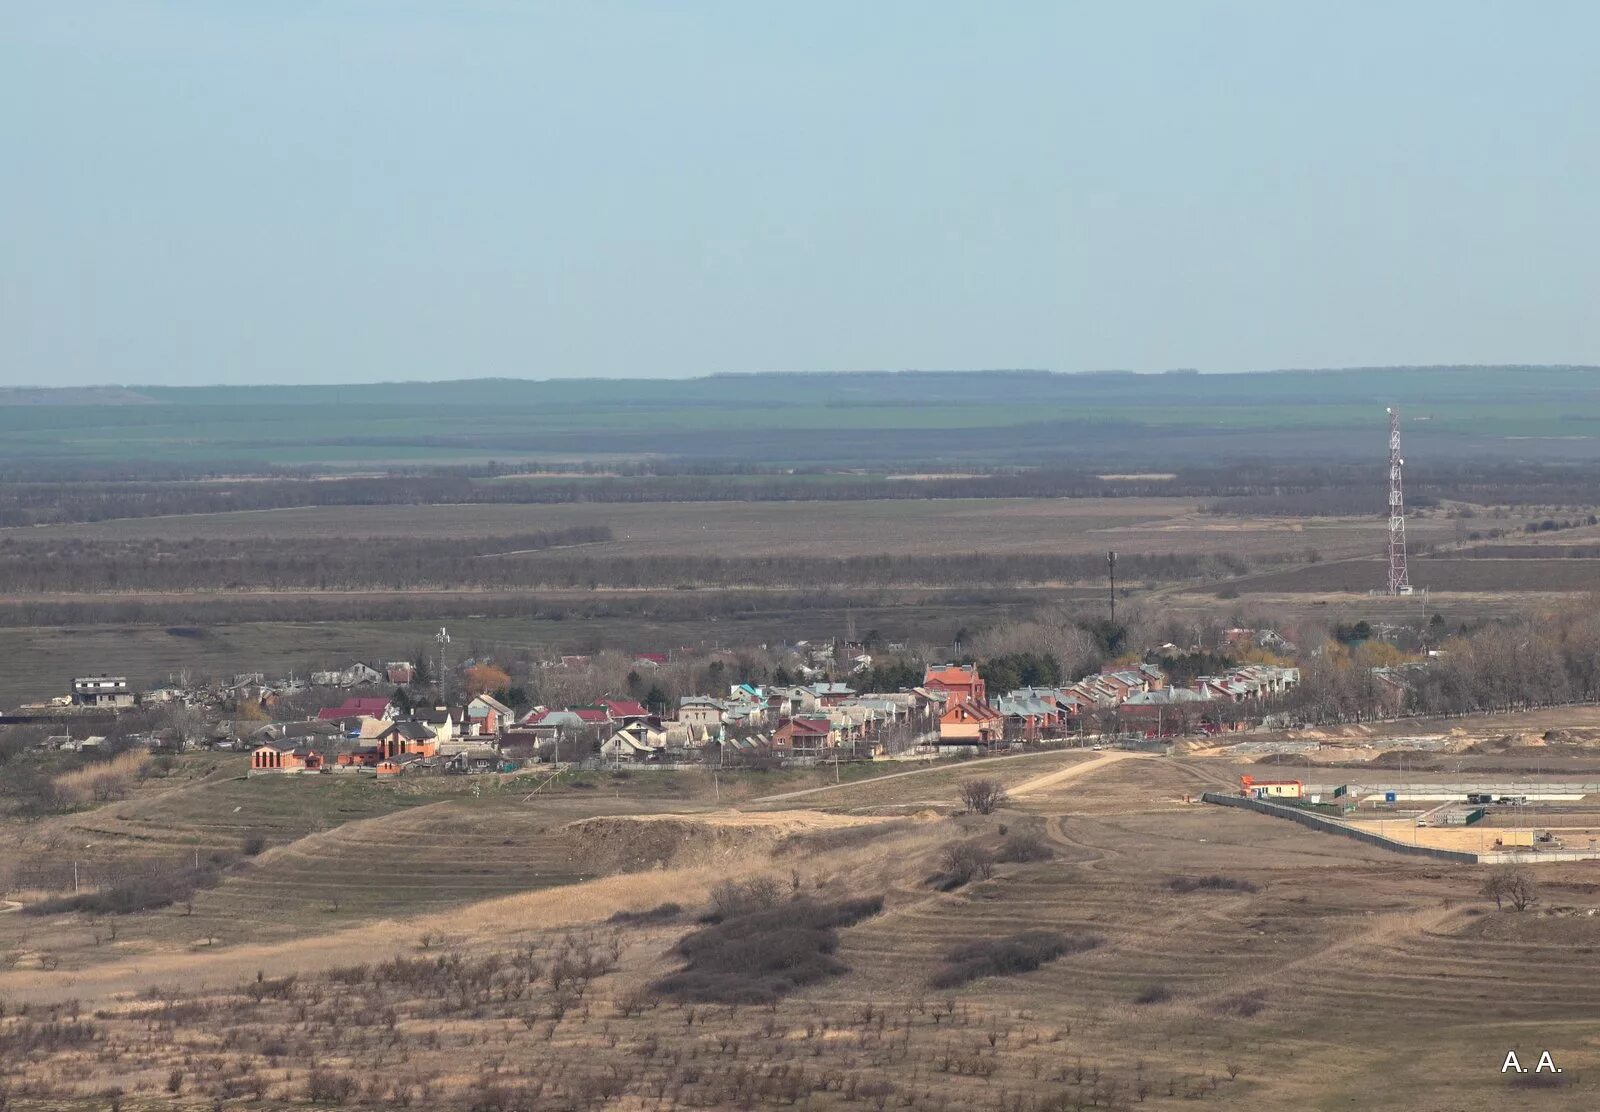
x=976, y=768
x=1042, y=785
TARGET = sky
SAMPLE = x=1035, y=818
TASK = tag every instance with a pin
x=304, y=191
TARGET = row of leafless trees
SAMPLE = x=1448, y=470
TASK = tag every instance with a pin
x=32, y=495
x=1545, y=660
x=526, y=561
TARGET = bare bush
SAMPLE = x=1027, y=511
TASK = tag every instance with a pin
x=1153, y=994
x=761, y=955
x=661, y=913
x=1022, y=847
x=983, y=797
x=1511, y=884
x=962, y=863
x=1212, y=883
x=731, y=898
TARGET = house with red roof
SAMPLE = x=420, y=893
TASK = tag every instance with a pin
x=802, y=738
x=374, y=707
x=626, y=710
x=969, y=722
x=960, y=680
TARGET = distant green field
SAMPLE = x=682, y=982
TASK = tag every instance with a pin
x=835, y=419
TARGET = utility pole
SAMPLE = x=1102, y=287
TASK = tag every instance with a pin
x=1111, y=568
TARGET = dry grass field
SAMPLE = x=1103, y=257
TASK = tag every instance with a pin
x=474, y=962
x=864, y=528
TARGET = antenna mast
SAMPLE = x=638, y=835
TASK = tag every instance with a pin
x=1111, y=570
x=1399, y=581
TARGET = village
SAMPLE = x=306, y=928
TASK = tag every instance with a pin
x=387, y=721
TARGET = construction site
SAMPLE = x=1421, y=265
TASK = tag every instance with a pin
x=1493, y=819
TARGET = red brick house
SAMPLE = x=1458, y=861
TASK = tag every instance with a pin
x=960, y=680
x=969, y=722
x=285, y=757
x=801, y=737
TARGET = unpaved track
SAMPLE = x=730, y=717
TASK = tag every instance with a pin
x=976, y=767
x=1040, y=785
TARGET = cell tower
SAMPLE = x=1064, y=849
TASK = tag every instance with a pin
x=1399, y=581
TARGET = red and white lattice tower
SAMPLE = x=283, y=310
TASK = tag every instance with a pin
x=1399, y=582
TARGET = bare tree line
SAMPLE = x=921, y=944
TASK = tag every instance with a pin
x=33, y=496
x=29, y=566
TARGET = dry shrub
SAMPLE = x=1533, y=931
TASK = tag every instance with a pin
x=1001, y=957
x=103, y=781
x=761, y=955
x=962, y=863
x=142, y=890
x=1153, y=994
x=983, y=797
x=1246, y=1005
x=661, y=913
x=1212, y=883
x=1023, y=847
x=731, y=898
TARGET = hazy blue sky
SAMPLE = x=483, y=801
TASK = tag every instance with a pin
x=295, y=191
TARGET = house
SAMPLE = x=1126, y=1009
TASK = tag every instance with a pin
x=1167, y=712
x=635, y=742
x=802, y=738
x=373, y=707
x=390, y=767
x=445, y=722
x=402, y=739
x=486, y=716
x=960, y=680
x=399, y=672
x=626, y=710
x=102, y=691
x=649, y=660
x=475, y=760
x=1271, y=789
x=969, y=722
x=786, y=702
x=831, y=694
x=284, y=757
x=357, y=675
x=701, y=711
x=519, y=743
x=1030, y=714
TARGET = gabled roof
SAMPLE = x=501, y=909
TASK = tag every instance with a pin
x=951, y=675
x=1026, y=705
x=972, y=710
x=625, y=708
x=832, y=688
x=816, y=726
x=372, y=707
x=1167, y=696
x=492, y=703
x=411, y=731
